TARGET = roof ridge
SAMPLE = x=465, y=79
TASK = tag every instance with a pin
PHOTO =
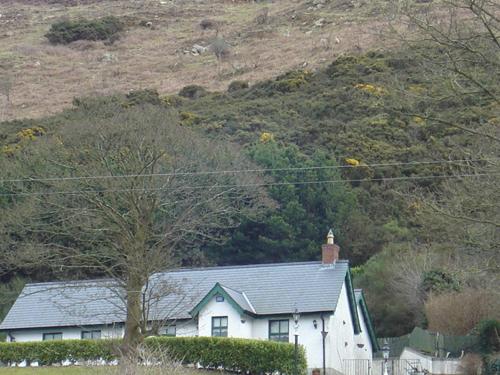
x=192, y=269
x=256, y=265
x=85, y=281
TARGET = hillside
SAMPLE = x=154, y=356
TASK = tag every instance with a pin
x=396, y=148
x=266, y=39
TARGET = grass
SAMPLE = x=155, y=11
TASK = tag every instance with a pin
x=52, y=371
x=47, y=78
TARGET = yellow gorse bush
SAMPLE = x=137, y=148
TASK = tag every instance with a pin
x=418, y=120
x=266, y=137
x=9, y=150
x=30, y=133
x=353, y=162
x=371, y=89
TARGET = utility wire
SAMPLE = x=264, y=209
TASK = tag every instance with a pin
x=263, y=170
x=382, y=179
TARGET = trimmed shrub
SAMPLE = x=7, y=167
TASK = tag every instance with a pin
x=65, y=32
x=232, y=354
x=254, y=356
x=49, y=352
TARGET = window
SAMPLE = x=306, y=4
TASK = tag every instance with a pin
x=170, y=331
x=219, y=298
x=91, y=335
x=278, y=330
x=52, y=336
x=219, y=326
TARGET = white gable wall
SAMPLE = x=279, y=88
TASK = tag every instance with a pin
x=235, y=326
x=363, y=348
x=341, y=335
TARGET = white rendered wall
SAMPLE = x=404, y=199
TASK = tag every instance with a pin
x=341, y=337
x=363, y=345
x=237, y=325
x=70, y=333
x=186, y=328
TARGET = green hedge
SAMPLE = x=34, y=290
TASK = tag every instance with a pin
x=65, y=32
x=254, y=356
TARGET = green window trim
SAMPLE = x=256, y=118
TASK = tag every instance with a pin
x=94, y=334
x=353, y=307
x=219, y=326
x=218, y=290
x=49, y=336
x=279, y=330
x=369, y=323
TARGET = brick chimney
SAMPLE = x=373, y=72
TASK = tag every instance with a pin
x=330, y=251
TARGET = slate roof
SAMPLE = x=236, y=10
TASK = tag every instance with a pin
x=240, y=298
x=266, y=289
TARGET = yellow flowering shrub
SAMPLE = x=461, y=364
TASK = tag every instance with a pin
x=9, y=150
x=416, y=89
x=30, y=133
x=352, y=162
x=371, y=89
x=266, y=137
x=418, y=120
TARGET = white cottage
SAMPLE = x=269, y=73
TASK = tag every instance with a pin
x=254, y=301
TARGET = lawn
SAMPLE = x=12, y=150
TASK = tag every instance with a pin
x=54, y=371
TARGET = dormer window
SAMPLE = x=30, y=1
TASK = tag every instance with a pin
x=219, y=298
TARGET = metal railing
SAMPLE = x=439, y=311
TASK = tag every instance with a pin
x=376, y=367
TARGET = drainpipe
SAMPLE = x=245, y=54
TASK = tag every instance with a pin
x=323, y=334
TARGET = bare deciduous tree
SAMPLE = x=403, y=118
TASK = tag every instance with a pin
x=125, y=195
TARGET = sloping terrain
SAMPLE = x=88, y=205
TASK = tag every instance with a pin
x=265, y=38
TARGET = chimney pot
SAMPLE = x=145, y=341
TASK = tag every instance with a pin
x=330, y=251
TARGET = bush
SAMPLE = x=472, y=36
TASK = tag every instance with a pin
x=237, y=85
x=49, y=352
x=254, y=356
x=65, y=32
x=457, y=313
x=147, y=96
x=193, y=92
x=489, y=336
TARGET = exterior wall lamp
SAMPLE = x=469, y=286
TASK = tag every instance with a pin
x=315, y=323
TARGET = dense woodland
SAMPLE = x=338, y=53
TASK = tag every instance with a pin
x=397, y=150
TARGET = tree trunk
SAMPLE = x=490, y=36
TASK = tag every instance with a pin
x=133, y=335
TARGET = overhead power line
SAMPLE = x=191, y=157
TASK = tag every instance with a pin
x=229, y=186
x=261, y=170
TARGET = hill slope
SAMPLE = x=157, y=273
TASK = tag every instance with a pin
x=45, y=78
